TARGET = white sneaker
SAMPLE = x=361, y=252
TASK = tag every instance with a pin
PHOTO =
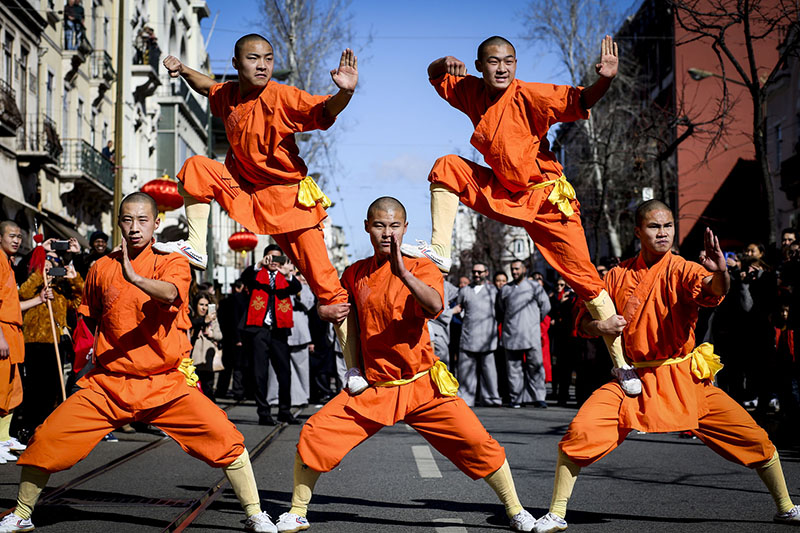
x=13, y=444
x=354, y=382
x=182, y=247
x=523, y=521
x=550, y=523
x=6, y=454
x=12, y=523
x=792, y=516
x=260, y=523
x=628, y=380
x=423, y=249
x=750, y=404
x=290, y=523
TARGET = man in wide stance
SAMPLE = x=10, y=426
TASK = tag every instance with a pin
x=137, y=301
x=394, y=296
x=659, y=294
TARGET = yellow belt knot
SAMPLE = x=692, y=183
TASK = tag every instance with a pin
x=705, y=363
x=561, y=195
x=440, y=375
x=309, y=193
x=187, y=369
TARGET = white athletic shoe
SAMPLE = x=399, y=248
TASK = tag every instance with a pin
x=423, y=249
x=290, y=523
x=182, y=247
x=12, y=523
x=6, y=454
x=628, y=380
x=354, y=382
x=13, y=444
x=550, y=523
x=260, y=523
x=523, y=521
x=792, y=516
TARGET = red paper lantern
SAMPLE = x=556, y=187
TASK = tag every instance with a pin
x=243, y=241
x=165, y=192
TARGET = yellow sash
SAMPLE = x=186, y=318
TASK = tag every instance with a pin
x=444, y=380
x=705, y=363
x=561, y=194
x=309, y=193
x=187, y=369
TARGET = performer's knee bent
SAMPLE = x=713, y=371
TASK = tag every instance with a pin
x=445, y=172
x=316, y=453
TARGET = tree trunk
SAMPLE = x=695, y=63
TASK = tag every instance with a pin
x=760, y=145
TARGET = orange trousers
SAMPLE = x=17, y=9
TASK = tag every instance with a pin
x=10, y=379
x=76, y=426
x=560, y=239
x=444, y=421
x=270, y=210
x=727, y=429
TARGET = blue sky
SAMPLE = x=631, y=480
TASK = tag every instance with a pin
x=396, y=125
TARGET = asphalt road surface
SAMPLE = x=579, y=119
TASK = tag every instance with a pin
x=395, y=482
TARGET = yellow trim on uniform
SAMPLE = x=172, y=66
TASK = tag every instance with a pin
x=560, y=196
x=309, y=193
x=705, y=363
x=441, y=376
x=187, y=369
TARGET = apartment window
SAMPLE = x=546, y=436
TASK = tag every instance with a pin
x=48, y=99
x=80, y=119
x=8, y=58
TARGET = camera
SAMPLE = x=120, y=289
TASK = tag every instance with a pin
x=59, y=246
x=280, y=259
x=57, y=272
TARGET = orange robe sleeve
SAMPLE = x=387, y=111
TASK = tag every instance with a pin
x=10, y=310
x=461, y=92
x=304, y=111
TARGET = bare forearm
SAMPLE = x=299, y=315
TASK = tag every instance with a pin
x=336, y=103
x=590, y=327
x=427, y=297
x=198, y=82
x=28, y=304
x=719, y=283
x=592, y=94
x=163, y=291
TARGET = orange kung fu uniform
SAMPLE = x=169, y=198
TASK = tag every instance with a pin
x=511, y=133
x=259, y=182
x=395, y=345
x=139, y=346
x=661, y=304
x=11, y=325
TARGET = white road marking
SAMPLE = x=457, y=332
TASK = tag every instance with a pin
x=450, y=529
x=426, y=464
x=408, y=428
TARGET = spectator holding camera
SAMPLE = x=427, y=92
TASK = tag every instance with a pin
x=206, y=337
x=42, y=382
x=98, y=242
x=267, y=327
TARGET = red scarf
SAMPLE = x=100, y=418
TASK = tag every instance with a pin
x=259, y=299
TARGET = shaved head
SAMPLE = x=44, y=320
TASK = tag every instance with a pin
x=7, y=225
x=385, y=203
x=493, y=40
x=139, y=198
x=250, y=37
x=647, y=207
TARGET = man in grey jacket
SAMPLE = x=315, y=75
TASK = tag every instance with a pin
x=521, y=305
x=478, y=339
x=439, y=327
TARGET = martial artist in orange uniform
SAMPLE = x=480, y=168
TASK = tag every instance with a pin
x=12, y=344
x=524, y=184
x=138, y=302
x=660, y=294
x=264, y=184
x=394, y=297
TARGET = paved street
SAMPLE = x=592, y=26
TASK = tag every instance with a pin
x=393, y=483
